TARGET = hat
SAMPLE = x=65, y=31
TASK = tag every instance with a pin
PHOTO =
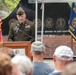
x=20, y=11
x=64, y=51
x=37, y=46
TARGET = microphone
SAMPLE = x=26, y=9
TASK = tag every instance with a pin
x=46, y=46
x=17, y=29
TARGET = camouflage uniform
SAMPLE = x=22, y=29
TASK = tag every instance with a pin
x=26, y=31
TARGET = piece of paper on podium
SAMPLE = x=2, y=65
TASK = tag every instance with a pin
x=19, y=51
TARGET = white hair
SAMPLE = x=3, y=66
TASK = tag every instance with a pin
x=24, y=64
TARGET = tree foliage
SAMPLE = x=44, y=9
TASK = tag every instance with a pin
x=11, y=4
x=7, y=6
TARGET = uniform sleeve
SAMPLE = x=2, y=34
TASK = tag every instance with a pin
x=10, y=35
x=32, y=33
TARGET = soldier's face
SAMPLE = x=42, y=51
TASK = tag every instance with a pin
x=21, y=18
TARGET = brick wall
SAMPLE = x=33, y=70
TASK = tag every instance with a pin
x=54, y=41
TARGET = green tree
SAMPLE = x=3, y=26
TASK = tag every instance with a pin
x=11, y=4
x=7, y=6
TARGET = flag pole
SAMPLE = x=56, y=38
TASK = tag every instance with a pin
x=36, y=15
x=1, y=40
x=42, y=29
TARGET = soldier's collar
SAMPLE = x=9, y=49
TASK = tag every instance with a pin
x=22, y=23
x=25, y=23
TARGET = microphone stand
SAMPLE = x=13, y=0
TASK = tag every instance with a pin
x=17, y=29
x=25, y=33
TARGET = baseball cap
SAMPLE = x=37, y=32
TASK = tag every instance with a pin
x=20, y=11
x=37, y=46
x=64, y=51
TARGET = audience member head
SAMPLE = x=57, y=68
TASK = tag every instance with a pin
x=38, y=51
x=37, y=47
x=24, y=64
x=5, y=64
x=70, y=69
x=15, y=70
x=63, y=55
x=7, y=51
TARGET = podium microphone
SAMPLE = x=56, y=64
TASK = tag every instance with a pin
x=16, y=29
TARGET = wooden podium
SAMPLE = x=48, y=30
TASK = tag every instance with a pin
x=20, y=45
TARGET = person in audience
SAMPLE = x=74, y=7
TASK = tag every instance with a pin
x=24, y=64
x=15, y=70
x=7, y=51
x=70, y=69
x=63, y=56
x=38, y=53
x=5, y=64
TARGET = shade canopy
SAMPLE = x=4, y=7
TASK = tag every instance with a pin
x=50, y=1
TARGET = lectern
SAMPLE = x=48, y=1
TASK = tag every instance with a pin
x=20, y=45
